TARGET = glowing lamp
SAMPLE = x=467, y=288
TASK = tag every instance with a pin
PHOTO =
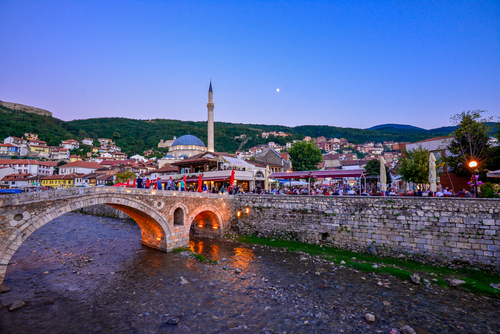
x=216, y=227
x=128, y=191
x=153, y=192
x=473, y=164
x=247, y=210
x=238, y=214
x=200, y=225
x=158, y=239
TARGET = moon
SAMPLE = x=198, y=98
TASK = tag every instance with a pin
x=278, y=90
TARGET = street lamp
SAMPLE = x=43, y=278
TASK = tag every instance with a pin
x=473, y=166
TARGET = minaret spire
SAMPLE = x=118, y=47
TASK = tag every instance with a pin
x=210, y=107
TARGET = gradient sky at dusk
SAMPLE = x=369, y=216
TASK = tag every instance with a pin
x=340, y=63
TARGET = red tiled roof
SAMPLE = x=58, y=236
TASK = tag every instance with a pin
x=7, y=145
x=82, y=164
x=350, y=162
x=15, y=177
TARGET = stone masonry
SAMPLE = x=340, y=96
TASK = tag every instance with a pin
x=153, y=210
x=440, y=229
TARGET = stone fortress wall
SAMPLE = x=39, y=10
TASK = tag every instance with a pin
x=439, y=229
x=28, y=109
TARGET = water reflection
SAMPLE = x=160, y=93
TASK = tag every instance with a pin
x=243, y=257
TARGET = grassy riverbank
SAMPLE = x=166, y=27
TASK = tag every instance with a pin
x=476, y=280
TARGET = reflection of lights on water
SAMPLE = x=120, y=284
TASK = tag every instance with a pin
x=215, y=250
x=243, y=257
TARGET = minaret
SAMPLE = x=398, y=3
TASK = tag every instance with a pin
x=210, y=107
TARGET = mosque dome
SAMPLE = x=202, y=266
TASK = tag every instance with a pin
x=188, y=140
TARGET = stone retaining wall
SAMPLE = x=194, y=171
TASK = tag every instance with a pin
x=441, y=229
x=104, y=210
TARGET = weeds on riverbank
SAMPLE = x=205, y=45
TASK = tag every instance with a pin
x=476, y=280
x=199, y=257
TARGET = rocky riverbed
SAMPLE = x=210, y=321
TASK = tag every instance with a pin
x=87, y=274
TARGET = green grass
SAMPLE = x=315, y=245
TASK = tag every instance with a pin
x=181, y=249
x=477, y=281
x=199, y=257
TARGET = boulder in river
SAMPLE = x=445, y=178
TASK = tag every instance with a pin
x=456, y=282
x=4, y=288
x=369, y=317
x=407, y=330
x=16, y=304
x=415, y=278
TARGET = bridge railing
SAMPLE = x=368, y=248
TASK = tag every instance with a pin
x=47, y=195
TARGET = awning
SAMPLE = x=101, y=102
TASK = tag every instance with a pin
x=495, y=173
x=291, y=175
x=321, y=174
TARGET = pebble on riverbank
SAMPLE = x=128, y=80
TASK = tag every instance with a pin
x=4, y=288
x=17, y=304
x=370, y=317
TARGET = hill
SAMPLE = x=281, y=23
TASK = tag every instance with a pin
x=135, y=136
x=395, y=126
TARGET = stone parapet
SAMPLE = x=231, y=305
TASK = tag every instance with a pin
x=441, y=229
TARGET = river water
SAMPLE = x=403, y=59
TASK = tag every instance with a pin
x=102, y=280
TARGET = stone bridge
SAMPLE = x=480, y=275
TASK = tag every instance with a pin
x=164, y=217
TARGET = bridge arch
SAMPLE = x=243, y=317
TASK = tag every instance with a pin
x=206, y=219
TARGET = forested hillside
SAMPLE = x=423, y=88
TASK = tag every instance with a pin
x=135, y=136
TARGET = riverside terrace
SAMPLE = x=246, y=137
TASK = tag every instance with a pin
x=462, y=229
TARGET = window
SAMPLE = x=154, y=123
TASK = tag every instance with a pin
x=179, y=216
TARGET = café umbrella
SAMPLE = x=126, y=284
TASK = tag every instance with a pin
x=432, y=172
x=383, y=176
x=128, y=183
x=231, y=181
x=200, y=178
x=133, y=184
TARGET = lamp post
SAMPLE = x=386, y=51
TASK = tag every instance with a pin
x=473, y=167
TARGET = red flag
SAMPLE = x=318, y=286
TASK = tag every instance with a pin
x=128, y=183
x=200, y=182
x=232, y=178
x=133, y=185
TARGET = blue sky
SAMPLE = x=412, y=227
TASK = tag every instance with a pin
x=341, y=63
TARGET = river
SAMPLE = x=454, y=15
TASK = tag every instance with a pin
x=89, y=274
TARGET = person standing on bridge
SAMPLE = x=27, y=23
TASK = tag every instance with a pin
x=148, y=183
x=139, y=182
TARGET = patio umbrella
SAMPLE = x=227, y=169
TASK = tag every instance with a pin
x=133, y=184
x=128, y=183
x=121, y=184
x=231, y=181
x=383, y=176
x=200, y=182
x=432, y=172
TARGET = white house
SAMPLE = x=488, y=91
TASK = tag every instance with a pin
x=59, y=154
x=88, y=141
x=85, y=167
x=70, y=144
x=33, y=167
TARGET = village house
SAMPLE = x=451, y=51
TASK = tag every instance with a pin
x=88, y=141
x=81, y=167
x=70, y=144
x=33, y=167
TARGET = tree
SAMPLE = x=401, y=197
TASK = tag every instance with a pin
x=305, y=156
x=372, y=168
x=414, y=167
x=124, y=176
x=470, y=142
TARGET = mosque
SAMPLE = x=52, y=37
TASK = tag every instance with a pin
x=188, y=145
